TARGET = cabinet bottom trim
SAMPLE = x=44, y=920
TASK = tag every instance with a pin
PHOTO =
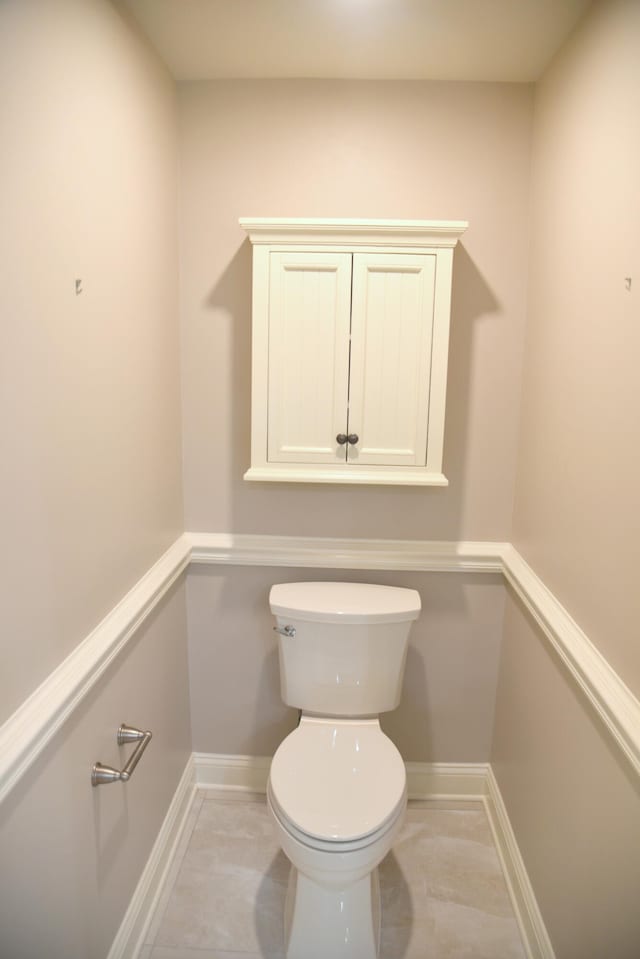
x=404, y=476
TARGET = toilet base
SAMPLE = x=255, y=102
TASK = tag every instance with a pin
x=341, y=924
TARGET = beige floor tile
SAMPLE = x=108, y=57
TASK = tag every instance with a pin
x=160, y=952
x=408, y=942
x=229, y=794
x=461, y=932
x=443, y=892
x=463, y=805
x=174, y=868
x=237, y=910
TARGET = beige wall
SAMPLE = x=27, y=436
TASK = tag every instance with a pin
x=446, y=711
x=90, y=438
x=416, y=150
x=89, y=384
x=371, y=149
x=572, y=801
x=577, y=520
x=90, y=430
x=72, y=855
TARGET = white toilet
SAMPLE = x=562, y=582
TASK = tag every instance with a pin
x=337, y=787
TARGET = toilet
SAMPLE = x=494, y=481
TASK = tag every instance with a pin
x=337, y=787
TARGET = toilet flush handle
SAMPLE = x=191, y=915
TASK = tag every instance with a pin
x=289, y=631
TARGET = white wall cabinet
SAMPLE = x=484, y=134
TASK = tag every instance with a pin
x=350, y=345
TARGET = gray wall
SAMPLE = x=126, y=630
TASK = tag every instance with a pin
x=72, y=855
x=446, y=712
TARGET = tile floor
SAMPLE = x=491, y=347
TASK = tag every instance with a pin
x=443, y=891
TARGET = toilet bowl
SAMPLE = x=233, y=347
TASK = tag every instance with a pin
x=337, y=785
x=337, y=794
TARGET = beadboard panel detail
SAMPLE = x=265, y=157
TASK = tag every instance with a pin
x=26, y=733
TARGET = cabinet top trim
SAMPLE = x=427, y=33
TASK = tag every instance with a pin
x=415, y=233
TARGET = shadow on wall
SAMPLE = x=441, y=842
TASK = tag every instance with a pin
x=471, y=300
x=413, y=712
x=232, y=294
x=361, y=511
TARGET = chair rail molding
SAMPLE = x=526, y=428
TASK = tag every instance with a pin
x=608, y=695
x=26, y=733
x=612, y=700
x=28, y=730
x=331, y=553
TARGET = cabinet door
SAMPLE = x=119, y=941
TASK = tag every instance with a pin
x=391, y=336
x=309, y=317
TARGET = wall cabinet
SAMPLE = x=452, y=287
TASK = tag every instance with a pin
x=350, y=344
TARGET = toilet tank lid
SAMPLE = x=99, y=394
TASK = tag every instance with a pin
x=344, y=602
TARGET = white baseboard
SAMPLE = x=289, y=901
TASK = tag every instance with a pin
x=424, y=780
x=532, y=928
x=131, y=934
x=442, y=781
x=242, y=773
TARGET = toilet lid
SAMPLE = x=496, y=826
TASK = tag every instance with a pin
x=337, y=780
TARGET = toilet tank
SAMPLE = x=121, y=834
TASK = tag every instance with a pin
x=347, y=647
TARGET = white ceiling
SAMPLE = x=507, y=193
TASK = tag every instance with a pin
x=507, y=40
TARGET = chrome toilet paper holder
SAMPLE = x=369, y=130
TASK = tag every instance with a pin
x=101, y=775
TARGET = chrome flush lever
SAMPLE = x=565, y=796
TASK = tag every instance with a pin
x=289, y=631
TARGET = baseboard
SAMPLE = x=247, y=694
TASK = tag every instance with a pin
x=132, y=931
x=243, y=773
x=442, y=781
x=424, y=780
x=532, y=928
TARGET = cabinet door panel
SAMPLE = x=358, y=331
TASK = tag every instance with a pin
x=309, y=317
x=391, y=335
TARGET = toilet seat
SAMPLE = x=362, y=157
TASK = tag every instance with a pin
x=337, y=784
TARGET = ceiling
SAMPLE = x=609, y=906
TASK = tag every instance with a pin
x=499, y=40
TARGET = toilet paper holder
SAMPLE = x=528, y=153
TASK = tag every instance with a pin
x=101, y=775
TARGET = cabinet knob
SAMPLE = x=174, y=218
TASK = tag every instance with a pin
x=353, y=438
x=341, y=438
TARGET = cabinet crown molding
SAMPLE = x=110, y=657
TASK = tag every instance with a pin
x=417, y=234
